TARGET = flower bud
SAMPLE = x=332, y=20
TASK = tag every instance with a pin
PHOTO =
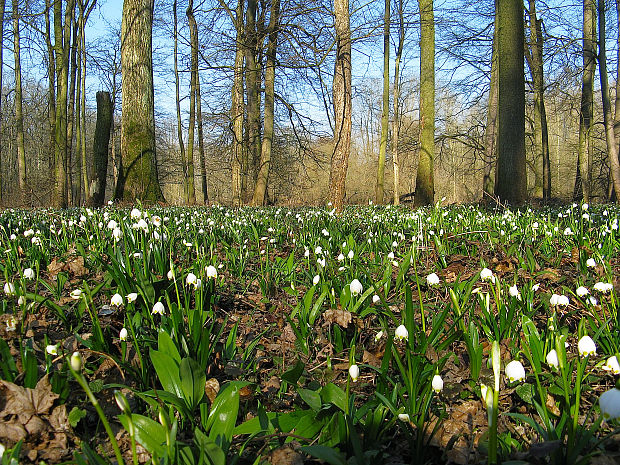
x=354, y=372
x=76, y=361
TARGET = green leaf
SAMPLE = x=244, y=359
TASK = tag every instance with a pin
x=166, y=345
x=312, y=398
x=167, y=371
x=223, y=415
x=214, y=453
x=292, y=376
x=75, y=415
x=149, y=434
x=332, y=394
x=329, y=455
x=96, y=385
x=193, y=380
x=7, y=363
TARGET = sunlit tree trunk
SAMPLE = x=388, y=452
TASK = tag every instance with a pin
x=84, y=13
x=19, y=115
x=193, y=31
x=511, y=181
x=193, y=27
x=138, y=178
x=490, y=133
x=178, y=102
x=51, y=91
x=612, y=148
x=341, y=89
x=238, y=153
x=2, y=5
x=385, y=112
x=396, y=122
x=270, y=77
x=74, y=77
x=535, y=60
x=584, y=157
x=425, y=184
x=252, y=82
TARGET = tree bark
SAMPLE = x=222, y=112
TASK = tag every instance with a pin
x=193, y=31
x=2, y=6
x=238, y=153
x=19, y=115
x=101, y=145
x=270, y=75
x=425, y=184
x=341, y=88
x=490, y=133
x=612, y=148
x=51, y=91
x=252, y=81
x=385, y=112
x=584, y=153
x=178, y=102
x=196, y=92
x=396, y=122
x=511, y=180
x=138, y=178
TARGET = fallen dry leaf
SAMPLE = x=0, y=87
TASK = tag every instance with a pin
x=341, y=317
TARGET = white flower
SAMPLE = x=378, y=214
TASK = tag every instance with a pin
x=401, y=333
x=378, y=336
x=21, y=300
x=135, y=214
x=603, y=288
x=487, y=275
x=76, y=361
x=191, y=279
x=552, y=359
x=356, y=287
x=76, y=294
x=584, y=207
x=586, y=346
x=354, y=372
x=515, y=371
x=351, y=254
x=432, y=279
x=403, y=417
x=340, y=257
x=211, y=272
x=591, y=263
x=375, y=299
x=514, y=291
x=9, y=289
x=112, y=224
x=116, y=300
x=29, y=273
x=117, y=234
x=437, y=383
x=170, y=275
x=122, y=335
x=568, y=232
x=558, y=300
x=143, y=225
x=318, y=250
x=592, y=300
x=612, y=365
x=316, y=279
x=52, y=349
x=391, y=255
x=132, y=297
x=610, y=404
x=158, y=308
x=535, y=287
x=582, y=291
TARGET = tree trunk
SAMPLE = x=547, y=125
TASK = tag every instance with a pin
x=584, y=153
x=101, y=145
x=194, y=44
x=252, y=81
x=425, y=185
x=341, y=89
x=270, y=76
x=612, y=148
x=178, y=102
x=396, y=123
x=238, y=153
x=72, y=110
x=19, y=115
x=511, y=180
x=490, y=133
x=84, y=174
x=385, y=112
x=138, y=178
x=535, y=60
x=193, y=31
x=51, y=91
x=2, y=5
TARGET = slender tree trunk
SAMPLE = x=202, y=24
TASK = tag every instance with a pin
x=196, y=93
x=490, y=133
x=511, y=180
x=535, y=60
x=270, y=77
x=138, y=178
x=584, y=154
x=62, y=40
x=2, y=6
x=238, y=153
x=193, y=31
x=51, y=91
x=396, y=122
x=252, y=81
x=425, y=185
x=178, y=103
x=385, y=112
x=72, y=110
x=341, y=89
x=612, y=148
x=19, y=115
x=85, y=13
x=100, y=149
